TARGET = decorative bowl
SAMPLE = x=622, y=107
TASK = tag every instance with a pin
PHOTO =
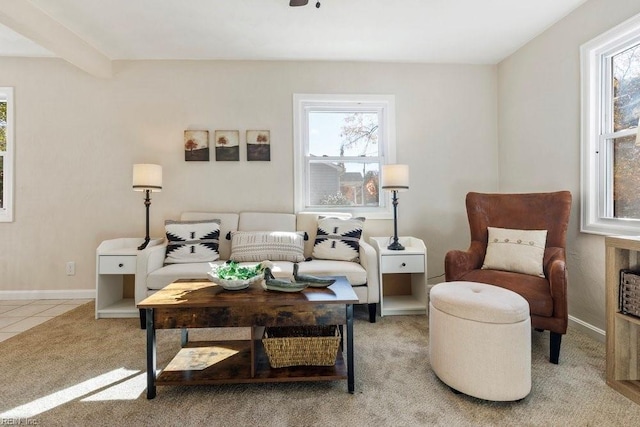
x=230, y=284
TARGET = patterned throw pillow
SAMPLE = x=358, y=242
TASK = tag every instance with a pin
x=338, y=239
x=520, y=251
x=257, y=246
x=192, y=241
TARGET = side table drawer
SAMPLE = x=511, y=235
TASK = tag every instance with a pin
x=402, y=264
x=117, y=264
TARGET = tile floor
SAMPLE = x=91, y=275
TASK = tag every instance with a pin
x=19, y=315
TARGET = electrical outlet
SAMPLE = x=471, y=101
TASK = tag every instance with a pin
x=71, y=268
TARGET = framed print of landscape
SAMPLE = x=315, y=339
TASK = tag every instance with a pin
x=258, y=145
x=196, y=145
x=227, y=143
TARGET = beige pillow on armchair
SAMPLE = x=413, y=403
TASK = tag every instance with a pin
x=520, y=251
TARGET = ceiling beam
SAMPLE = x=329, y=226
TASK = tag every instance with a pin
x=26, y=19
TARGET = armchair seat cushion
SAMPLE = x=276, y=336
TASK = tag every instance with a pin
x=534, y=289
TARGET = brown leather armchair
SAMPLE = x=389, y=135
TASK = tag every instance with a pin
x=547, y=297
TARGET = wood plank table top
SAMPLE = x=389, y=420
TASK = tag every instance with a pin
x=190, y=293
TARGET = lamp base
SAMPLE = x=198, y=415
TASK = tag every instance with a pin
x=147, y=203
x=144, y=244
x=395, y=246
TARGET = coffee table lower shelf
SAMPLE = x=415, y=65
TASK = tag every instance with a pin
x=229, y=362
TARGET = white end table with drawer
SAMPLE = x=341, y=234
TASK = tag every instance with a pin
x=116, y=258
x=412, y=260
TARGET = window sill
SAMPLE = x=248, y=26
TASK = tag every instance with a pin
x=367, y=214
x=608, y=227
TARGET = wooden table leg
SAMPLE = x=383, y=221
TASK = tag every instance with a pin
x=350, y=373
x=151, y=355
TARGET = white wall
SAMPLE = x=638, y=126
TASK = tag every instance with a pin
x=77, y=137
x=539, y=134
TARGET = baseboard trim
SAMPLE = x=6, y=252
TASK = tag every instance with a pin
x=42, y=294
x=595, y=333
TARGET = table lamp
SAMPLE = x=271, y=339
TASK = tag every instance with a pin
x=147, y=178
x=395, y=178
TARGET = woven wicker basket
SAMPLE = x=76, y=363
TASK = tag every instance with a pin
x=301, y=345
x=630, y=292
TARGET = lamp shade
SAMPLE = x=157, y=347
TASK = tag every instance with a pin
x=147, y=177
x=395, y=177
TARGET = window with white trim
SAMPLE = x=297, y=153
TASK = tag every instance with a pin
x=6, y=154
x=610, y=66
x=340, y=145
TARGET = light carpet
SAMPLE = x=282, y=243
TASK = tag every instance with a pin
x=75, y=370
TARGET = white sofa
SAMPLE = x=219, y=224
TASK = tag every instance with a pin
x=362, y=275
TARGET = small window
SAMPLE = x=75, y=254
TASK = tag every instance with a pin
x=610, y=141
x=341, y=143
x=6, y=154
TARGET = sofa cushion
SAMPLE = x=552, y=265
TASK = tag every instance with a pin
x=338, y=239
x=162, y=277
x=355, y=273
x=267, y=245
x=519, y=251
x=192, y=241
x=168, y=274
x=266, y=221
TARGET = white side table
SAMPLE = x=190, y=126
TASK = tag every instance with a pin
x=412, y=260
x=114, y=259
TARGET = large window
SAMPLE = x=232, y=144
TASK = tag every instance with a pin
x=6, y=154
x=341, y=142
x=610, y=140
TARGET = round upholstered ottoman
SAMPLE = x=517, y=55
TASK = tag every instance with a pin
x=480, y=340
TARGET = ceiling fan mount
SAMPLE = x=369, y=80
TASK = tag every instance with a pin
x=294, y=3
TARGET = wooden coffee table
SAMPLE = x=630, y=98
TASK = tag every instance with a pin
x=203, y=304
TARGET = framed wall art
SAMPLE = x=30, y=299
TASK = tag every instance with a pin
x=196, y=145
x=258, y=145
x=227, y=143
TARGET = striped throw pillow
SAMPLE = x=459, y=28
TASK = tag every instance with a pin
x=256, y=246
